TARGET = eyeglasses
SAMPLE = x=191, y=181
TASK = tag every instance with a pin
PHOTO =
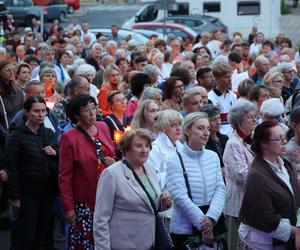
x=178, y=87
x=281, y=139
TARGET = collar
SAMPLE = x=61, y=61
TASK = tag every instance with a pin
x=218, y=93
x=274, y=167
x=192, y=153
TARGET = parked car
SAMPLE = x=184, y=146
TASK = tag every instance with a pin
x=140, y=39
x=57, y=9
x=199, y=23
x=174, y=28
x=24, y=10
x=72, y=5
x=149, y=33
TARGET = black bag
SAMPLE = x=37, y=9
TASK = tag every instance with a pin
x=163, y=240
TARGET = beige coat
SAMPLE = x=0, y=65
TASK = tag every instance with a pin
x=124, y=218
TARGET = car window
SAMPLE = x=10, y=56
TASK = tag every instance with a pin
x=176, y=32
x=148, y=14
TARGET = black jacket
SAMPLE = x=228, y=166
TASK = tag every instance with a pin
x=211, y=145
x=31, y=171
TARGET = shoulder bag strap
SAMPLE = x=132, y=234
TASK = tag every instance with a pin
x=185, y=175
x=142, y=186
x=113, y=122
x=5, y=113
x=99, y=150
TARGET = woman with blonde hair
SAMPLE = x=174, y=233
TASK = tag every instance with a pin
x=145, y=117
x=274, y=82
x=112, y=80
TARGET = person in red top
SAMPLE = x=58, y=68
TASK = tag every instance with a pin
x=112, y=76
x=85, y=151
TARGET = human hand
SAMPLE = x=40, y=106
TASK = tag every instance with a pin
x=207, y=225
x=166, y=200
x=108, y=160
x=49, y=151
x=16, y=203
x=297, y=238
x=207, y=239
x=3, y=176
x=71, y=216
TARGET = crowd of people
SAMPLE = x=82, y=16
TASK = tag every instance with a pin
x=104, y=136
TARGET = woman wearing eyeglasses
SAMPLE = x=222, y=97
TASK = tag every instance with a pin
x=173, y=91
x=271, y=193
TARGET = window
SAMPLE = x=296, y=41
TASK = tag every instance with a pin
x=248, y=8
x=178, y=9
x=148, y=14
x=212, y=7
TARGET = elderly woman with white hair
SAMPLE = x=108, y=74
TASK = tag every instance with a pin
x=195, y=182
x=158, y=61
x=237, y=159
x=169, y=125
x=89, y=72
x=273, y=110
x=154, y=94
x=153, y=72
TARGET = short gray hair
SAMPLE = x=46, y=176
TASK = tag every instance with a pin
x=151, y=69
x=211, y=110
x=84, y=68
x=239, y=110
x=166, y=117
x=191, y=118
x=149, y=93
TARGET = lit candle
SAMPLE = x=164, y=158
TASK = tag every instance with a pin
x=118, y=135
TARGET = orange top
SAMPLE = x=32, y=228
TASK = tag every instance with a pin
x=102, y=99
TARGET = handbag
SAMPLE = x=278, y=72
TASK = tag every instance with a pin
x=163, y=240
x=219, y=228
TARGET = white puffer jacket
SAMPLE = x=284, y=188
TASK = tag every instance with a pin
x=206, y=184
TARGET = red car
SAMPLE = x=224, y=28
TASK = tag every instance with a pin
x=72, y=4
x=171, y=28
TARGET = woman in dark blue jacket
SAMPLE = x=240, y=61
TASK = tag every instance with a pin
x=32, y=161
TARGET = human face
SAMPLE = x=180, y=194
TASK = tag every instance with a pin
x=207, y=81
x=158, y=99
x=87, y=114
x=174, y=131
x=178, y=89
x=215, y=124
x=289, y=75
x=123, y=66
x=198, y=133
x=90, y=75
x=113, y=77
x=260, y=38
x=119, y=103
x=138, y=152
x=24, y=75
x=20, y=51
x=176, y=47
x=194, y=104
x=83, y=88
x=85, y=27
x=49, y=79
x=36, y=114
x=49, y=55
x=150, y=113
x=264, y=94
x=65, y=59
x=248, y=124
x=8, y=72
x=32, y=65
x=159, y=60
x=264, y=66
x=224, y=80
x=112, y=49
x=140, y=66
x=114, y=31
x=36, y=90
x=275, y=146
x=238, y=50
x=97, y=50
x=277, y=84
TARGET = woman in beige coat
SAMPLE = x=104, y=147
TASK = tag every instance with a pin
x=124, y=217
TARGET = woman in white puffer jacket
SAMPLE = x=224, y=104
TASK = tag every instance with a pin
x=203, y=172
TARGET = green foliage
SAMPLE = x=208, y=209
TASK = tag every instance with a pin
x=285, y=9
